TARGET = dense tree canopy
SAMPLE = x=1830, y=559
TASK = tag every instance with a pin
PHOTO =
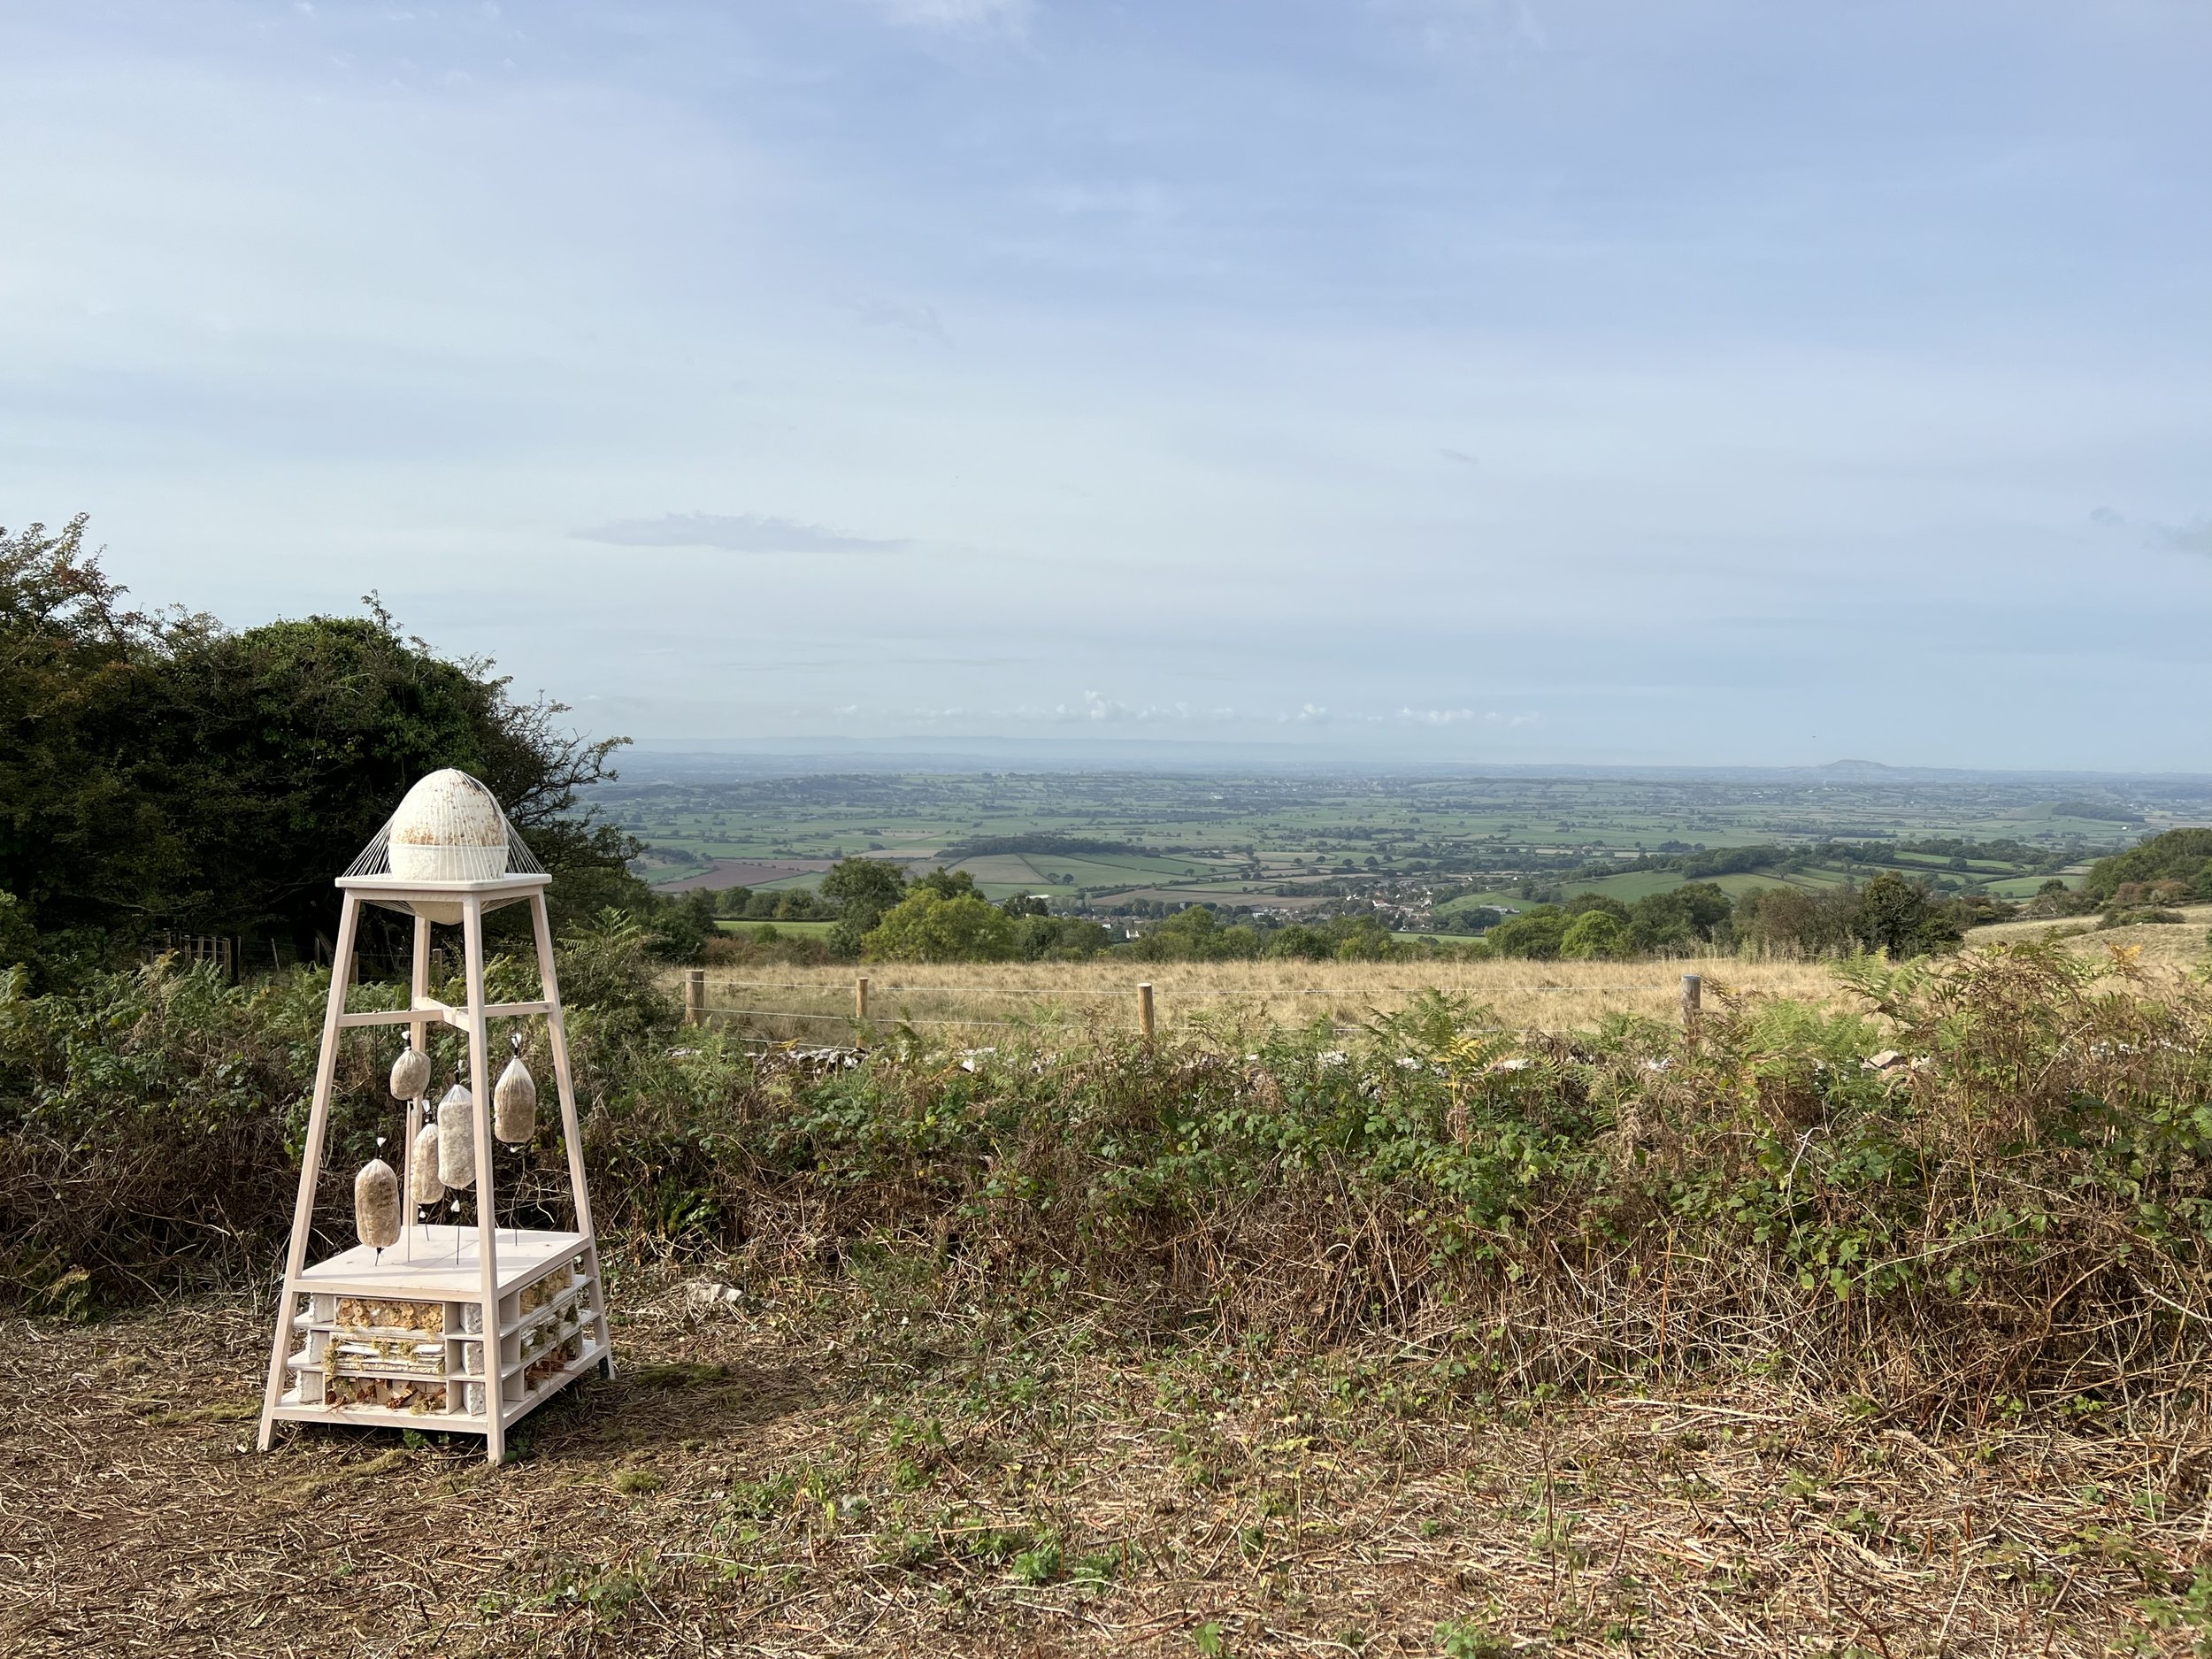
x=926, y=927
x=163, y=774
x=2183, y=856
x=1195, y=936
x=862, y=889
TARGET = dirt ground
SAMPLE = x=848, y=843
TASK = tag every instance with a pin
x=806, y=1466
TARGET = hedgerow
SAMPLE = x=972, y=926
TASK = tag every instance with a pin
x=1980, y=1187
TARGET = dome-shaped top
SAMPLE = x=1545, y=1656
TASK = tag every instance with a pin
x=449, y=808
x=449, y=828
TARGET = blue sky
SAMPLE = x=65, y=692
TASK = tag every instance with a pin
x=1442, y=378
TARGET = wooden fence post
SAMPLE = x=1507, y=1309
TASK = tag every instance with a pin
x=1144, y=1012
x=860, y=999
x=1693, y=991
x=694, y=996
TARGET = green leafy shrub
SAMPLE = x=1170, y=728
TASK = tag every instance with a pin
x=1992, y=1183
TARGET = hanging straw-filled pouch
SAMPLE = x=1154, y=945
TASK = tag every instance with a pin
x=376, y=1217
x=515, y=1104
x=457, y=1139
x=422, y=1164
x=411, y=1074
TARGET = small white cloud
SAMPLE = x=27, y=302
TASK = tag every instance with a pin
x=2105, y=519
x=1458, y=457
x=1097, y=706
x=1463, y=717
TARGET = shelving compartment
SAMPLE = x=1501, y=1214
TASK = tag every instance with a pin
x=372, y=1355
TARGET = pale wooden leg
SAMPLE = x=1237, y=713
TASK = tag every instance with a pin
x=572, y=1133
x=596, y=1300
x=419, y=1034
x=311, y=1163
x=486, y=1232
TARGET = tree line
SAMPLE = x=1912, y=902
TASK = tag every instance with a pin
x=943, y=917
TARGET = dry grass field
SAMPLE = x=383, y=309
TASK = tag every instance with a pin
x=802, y=1466
x=786, y=1001
x=2167, y=944
x=815, y=1003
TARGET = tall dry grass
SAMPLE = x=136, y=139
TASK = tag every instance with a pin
x=2170, y=944
x=815, y=1003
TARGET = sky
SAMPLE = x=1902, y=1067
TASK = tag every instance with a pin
x=1713, y=382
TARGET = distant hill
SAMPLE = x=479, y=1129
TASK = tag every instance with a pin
x=1865, y=770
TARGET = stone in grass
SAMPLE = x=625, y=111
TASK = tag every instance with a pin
x=707, y=1295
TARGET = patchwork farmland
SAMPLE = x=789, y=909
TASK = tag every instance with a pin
x=1435, y=852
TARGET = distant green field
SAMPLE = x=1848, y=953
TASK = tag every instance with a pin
x=812, y=879
x=2027, y=887
x=804, y=930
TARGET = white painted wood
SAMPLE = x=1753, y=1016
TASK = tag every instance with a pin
x=430, y=1008
x=470, y=1267
x=572, y=1133
x=486, y=1191
x=418, y=1035
x=435, y=1275
x=311, y=1158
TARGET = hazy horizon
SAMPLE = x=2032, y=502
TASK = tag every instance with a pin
x=1046, y=755
x=1461, y=381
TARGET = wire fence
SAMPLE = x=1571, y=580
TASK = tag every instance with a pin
x=1337, y=1027
x=852, y=1019
x=972, y=990
x=862, y=1018
x=1034, y=993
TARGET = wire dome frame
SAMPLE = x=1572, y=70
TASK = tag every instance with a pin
x=376, y=857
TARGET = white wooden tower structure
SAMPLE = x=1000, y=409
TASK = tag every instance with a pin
x=454, y=1328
